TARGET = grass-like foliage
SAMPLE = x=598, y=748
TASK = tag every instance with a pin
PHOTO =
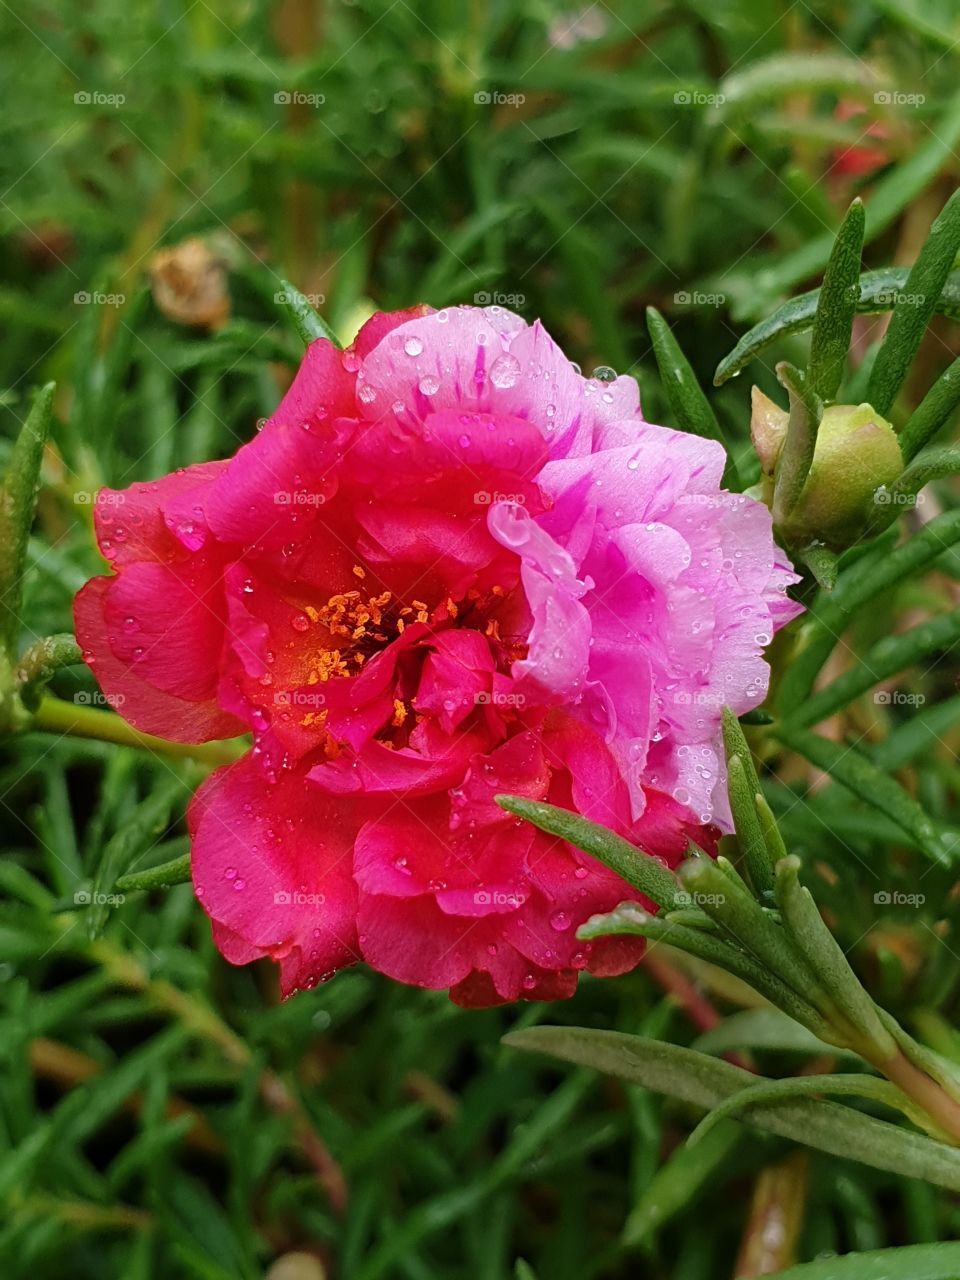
x=685, y=167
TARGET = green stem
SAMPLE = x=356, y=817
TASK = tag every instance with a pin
x=55, y=716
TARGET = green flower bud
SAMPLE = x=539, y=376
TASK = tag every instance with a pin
x=857, y=451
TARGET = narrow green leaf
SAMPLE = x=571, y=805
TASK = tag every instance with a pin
x=632, y=863
x=769, y=1030
x=779, y=74
x=801, y=917
x=912, y=1262
x=823, y=563
x=689, y=405
x=743, y=787
x=933, y=410
x=932, y=464
x=308, y=323
x=878, y=293
x=18, y=502
x=796, y=457
x=747, y=824
x=776, y=849
x=885, y=658
x=854, y=771
x=753, y=930
x=766, y=1092
x=630, y=918
x=856, y=588
x=915, y=307
x=145, y=824
x=165, y=876
x=41, y=662
x=677, y=1182
x=892, y=194
x=839, y=297
x=705, y=1082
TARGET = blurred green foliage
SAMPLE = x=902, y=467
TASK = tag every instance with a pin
x=161, y=1115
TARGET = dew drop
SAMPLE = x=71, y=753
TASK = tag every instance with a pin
x=504, y=371
x=413, y=346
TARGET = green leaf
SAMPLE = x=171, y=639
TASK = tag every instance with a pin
x=629, y=918
x=18, y=502
x=753, y=930
x=41, y=662
x=913, y=1262
x=677, y=1182
x=689, y=405
x=839, y=298
x=878, y=293
x=771, y=1030
x=308, y=323
x=743, y=787
x=854, y=771
x=823, y=563
x=148, y=821
x=630, y=862
x=801, y=918
x=915, y=307
x=747, y=823
x=857, y=587
x=164, y=876
x=785, y=73
x=766, y=1092
x=933, y=410
x=885, y=658
x=799, y=446
x=891, y=195
x=705, y=1082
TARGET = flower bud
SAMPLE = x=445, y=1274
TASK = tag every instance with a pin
x=857, y=451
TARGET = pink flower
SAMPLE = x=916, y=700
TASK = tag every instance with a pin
x=448, y=567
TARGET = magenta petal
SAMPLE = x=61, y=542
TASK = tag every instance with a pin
x=272, y=869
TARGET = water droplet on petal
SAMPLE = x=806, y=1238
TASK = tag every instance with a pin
x=504, y=371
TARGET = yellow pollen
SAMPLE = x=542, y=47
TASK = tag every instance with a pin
x=358, y=572
x=399, y=713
